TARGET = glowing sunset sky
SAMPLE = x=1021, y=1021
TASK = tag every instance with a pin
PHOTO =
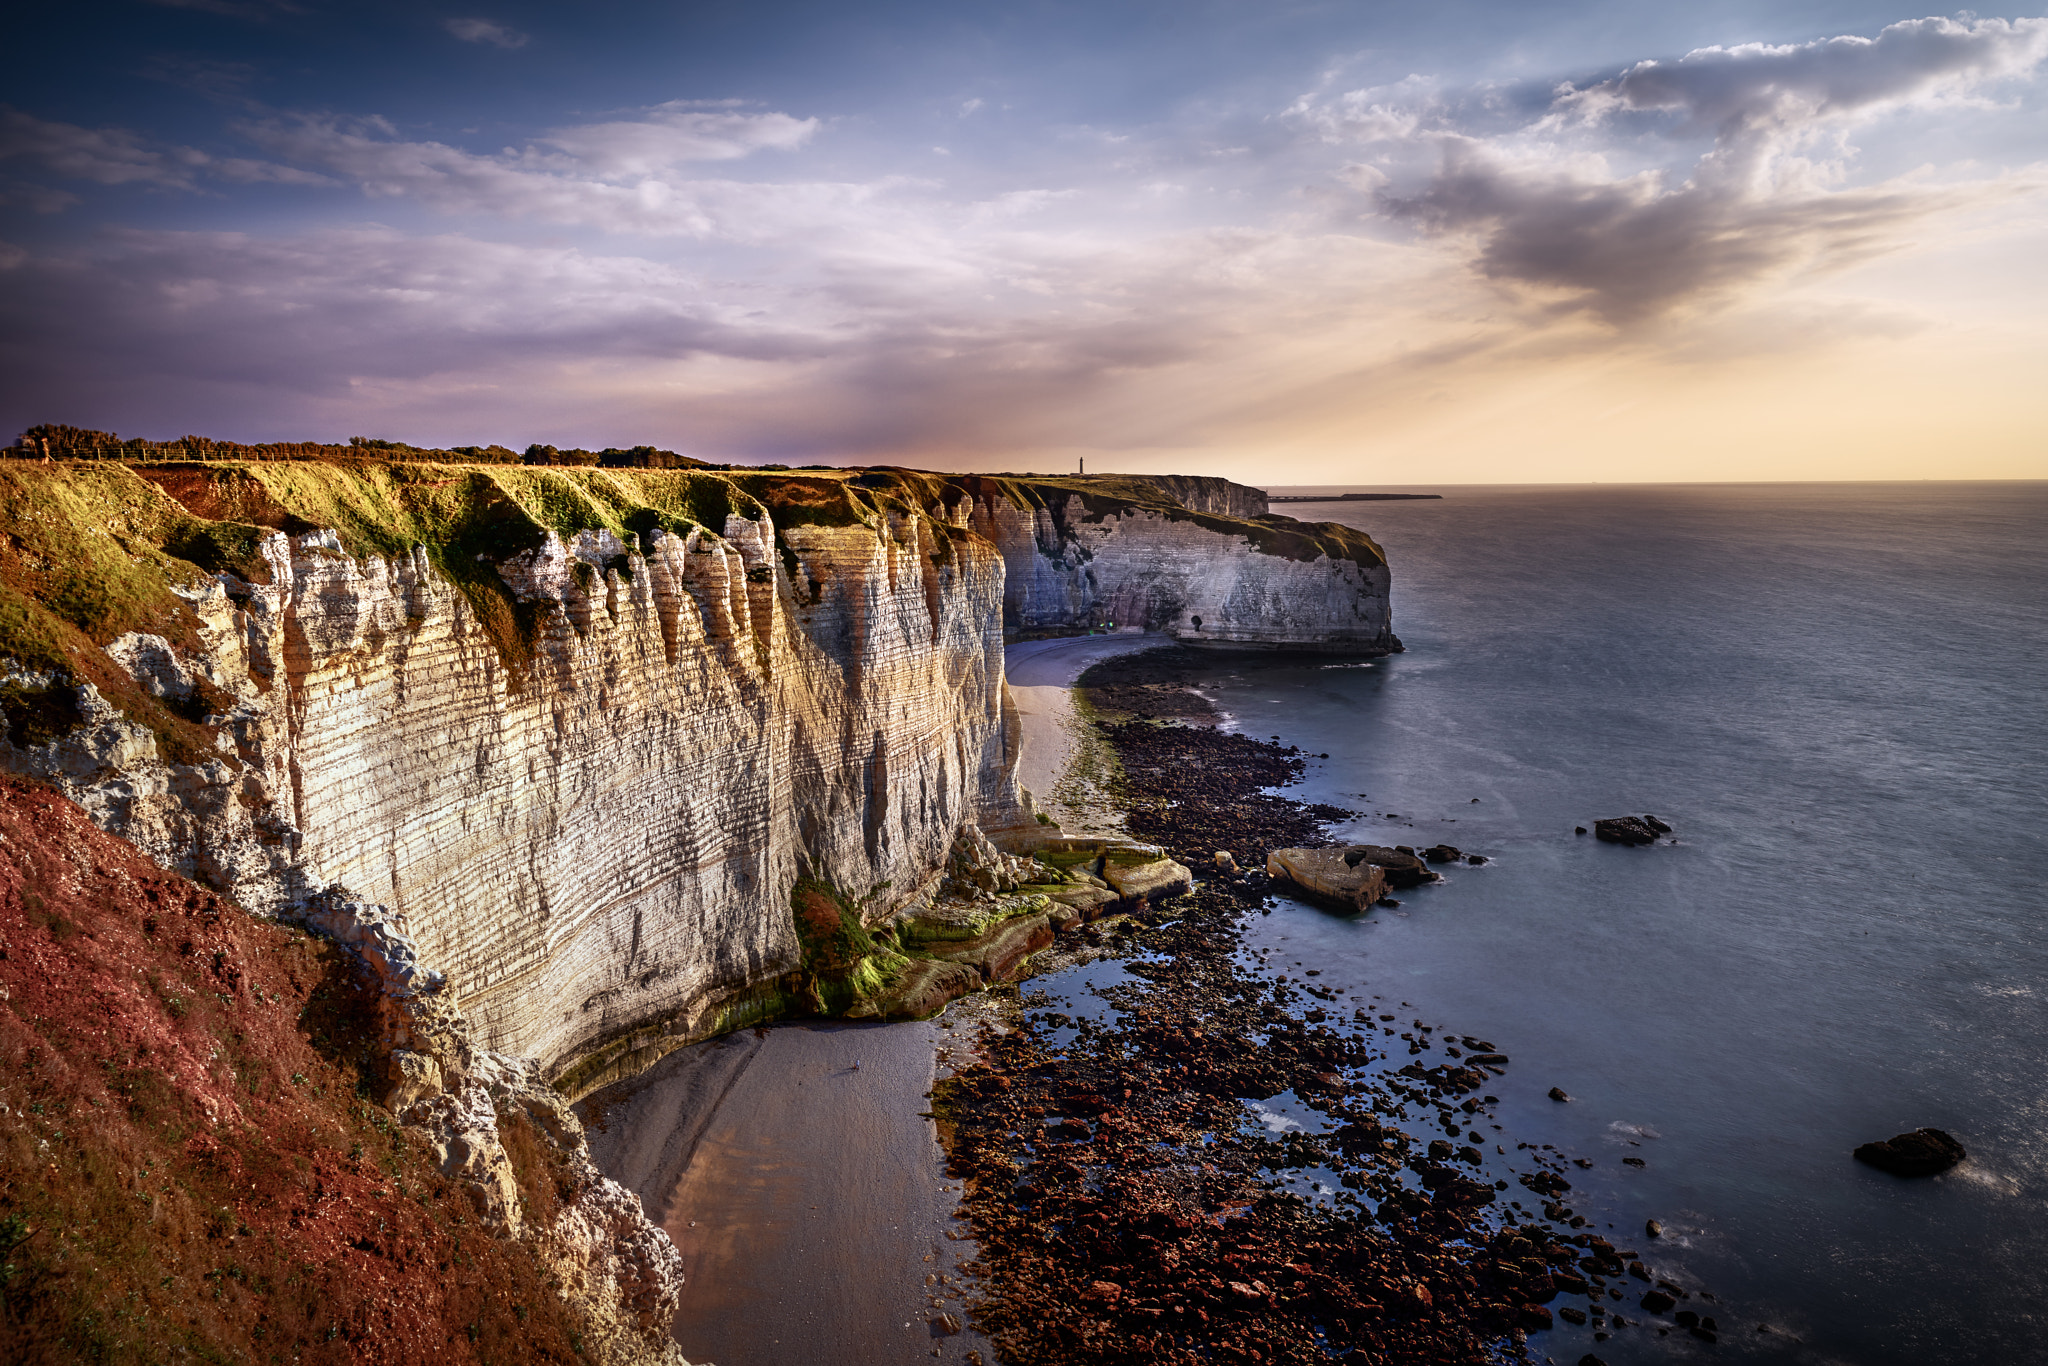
x=1286, y=242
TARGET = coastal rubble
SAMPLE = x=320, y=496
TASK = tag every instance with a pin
x=1134, y=1190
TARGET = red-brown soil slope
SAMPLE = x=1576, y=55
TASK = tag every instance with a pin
x=189, y=1170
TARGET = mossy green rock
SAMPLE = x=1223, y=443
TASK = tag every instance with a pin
x=953, y=921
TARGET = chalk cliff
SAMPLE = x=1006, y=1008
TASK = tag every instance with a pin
x=585, y=730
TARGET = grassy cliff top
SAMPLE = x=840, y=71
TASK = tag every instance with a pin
x=91, y=549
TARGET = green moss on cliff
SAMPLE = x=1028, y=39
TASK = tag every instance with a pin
x=844, y=963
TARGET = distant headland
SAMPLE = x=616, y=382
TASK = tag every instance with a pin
x=1349, y=497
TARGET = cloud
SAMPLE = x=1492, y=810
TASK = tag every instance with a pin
x=484, y=31
x=1545, y=212
x=848, y=357
x=1630, y=249
x=617, y=177
x=115, y=156
x=1386, y=113
x=1761, y=102
x=674, y=134
x=106, y=156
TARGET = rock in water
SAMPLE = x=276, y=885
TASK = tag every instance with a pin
x=1557, y=1093
x=1331, y=875
x=1924, y=1152
x=1401, y=866
x=1626, y=830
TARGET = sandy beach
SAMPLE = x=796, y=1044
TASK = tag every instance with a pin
x=809, y=1199
x=1053, y=760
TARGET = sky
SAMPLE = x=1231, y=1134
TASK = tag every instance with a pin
x=1285, y=241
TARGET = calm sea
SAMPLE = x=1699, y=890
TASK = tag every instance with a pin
x=1834, y=693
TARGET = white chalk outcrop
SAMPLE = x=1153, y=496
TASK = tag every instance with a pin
x=1230, y=579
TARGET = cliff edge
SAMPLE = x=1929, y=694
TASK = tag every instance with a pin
x=587, y=730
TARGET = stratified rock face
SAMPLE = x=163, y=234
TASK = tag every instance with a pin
x=1200, y=493
x=585, y=730
x=612, y=845
x=1076, y=558
x=604, y=840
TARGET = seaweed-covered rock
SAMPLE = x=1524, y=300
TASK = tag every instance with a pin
x=922, y=989
x=1924, y=1152
x=999, y=954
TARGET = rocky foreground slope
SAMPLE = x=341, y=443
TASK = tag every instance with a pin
x=197, y=1163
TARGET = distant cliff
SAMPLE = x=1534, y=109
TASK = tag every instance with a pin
x=1124, y=552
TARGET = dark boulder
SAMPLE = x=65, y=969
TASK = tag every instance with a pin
x=1401, y=867
x=1626, y=830
x=1476, y=860
x=1657, y=1302
x=1924, y=1152
x=1442, y=853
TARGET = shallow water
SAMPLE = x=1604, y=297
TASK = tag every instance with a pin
x=1831, y=693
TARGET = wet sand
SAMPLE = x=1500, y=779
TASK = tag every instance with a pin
x=1041, y=675
x=809, y=1200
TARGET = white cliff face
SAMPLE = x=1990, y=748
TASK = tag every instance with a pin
x=596, y=843
x=1194, y=579
x=606, y=845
